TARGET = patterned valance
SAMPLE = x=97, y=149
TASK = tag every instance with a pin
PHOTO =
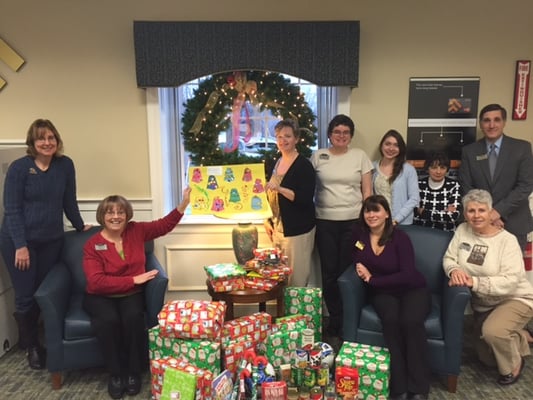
x=168, y=54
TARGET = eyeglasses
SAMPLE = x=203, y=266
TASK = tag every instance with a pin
x=339, y=133
x=50, y=138
x=112, y=213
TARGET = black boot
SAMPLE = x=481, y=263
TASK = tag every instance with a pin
x=29, y=338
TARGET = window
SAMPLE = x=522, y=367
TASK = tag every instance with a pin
x=174, y=160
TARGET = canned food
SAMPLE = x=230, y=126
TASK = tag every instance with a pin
x=302, y=358
x=308, y=338
x=309, y=378
x=322, y=376
x=316, y=393
x=297, y=376
x=304, y=394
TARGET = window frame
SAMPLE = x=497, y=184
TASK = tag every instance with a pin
x=164, y=143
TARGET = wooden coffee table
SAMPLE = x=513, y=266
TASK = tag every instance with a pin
x=250, y=296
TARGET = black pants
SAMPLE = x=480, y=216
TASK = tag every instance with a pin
x=334, y=240
x=402, y=317
x=119, y=326
x=43, y=256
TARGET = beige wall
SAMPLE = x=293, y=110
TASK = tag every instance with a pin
x=80, y=73
x=80, y=68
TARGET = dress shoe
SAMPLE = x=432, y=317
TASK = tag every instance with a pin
x=510, y=378
x=402, y=396
x=133, y=385
x=418, y=396
x=115, y=387
x=36, y=356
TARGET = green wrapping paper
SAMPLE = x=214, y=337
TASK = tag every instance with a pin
x=373, y=363
x=178, y=385
x=201, y=353
x=307, y=301
x=224, y=270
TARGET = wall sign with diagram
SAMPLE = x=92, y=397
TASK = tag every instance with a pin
x=442, y=116
x=229, y=191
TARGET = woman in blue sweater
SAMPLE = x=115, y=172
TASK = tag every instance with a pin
x=396, y=179
x=38, y=188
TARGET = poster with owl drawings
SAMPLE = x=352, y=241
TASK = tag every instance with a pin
x=229, y=191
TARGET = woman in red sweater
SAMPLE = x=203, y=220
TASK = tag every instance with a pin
x=114, y=264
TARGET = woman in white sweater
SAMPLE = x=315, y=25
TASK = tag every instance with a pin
x=488, y=260
x=343, y=182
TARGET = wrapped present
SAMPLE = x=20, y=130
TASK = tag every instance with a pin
x=227, y=284
x=178, y=385
x=372, y=362
x=225, y=277
x=224, y=271
x=201, y=353
x=278, y=272
x=280, y=347
x=307, y=301
x=291, y=322
x=255, y=281
x=233, y=352
x=268, y=256
x=257, y=326
x=204, y=378
x=242, y=334
x=192, y=319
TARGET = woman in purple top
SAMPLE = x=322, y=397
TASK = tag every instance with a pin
x=384, y=258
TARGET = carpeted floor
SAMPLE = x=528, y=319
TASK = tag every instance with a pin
x=18, y=382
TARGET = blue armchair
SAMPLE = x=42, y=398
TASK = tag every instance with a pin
x=69, y=339
x=444, y=325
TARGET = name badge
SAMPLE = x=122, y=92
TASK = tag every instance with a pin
x=323, y=156
x=100, y=247
x=359, y=245
x=464, y=246
x=482, y=157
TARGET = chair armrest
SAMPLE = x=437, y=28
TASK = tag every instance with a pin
x=454, y=302
x=155, y=290
x=53, y=297
x=353, y=293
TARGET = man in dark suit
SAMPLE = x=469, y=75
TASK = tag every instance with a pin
x=511, y=181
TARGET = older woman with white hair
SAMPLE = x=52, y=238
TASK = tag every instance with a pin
x=488, y=259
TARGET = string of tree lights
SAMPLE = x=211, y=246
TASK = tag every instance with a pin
x=218, y=104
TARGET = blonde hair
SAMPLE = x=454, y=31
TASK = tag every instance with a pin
x=36, y=132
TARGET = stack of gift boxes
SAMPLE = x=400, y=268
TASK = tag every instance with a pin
x=266, y=269
x=263, y=272
x=193, y=340
x=225, y=277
